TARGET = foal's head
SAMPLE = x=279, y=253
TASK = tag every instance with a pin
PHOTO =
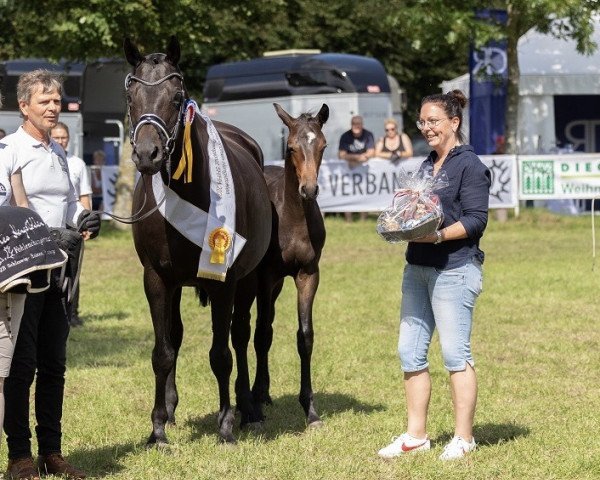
x=155, y=101
x=305, y=146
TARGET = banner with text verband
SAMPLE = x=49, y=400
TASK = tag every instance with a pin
x=370, y=187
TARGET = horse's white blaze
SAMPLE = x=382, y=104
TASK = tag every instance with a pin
x=311, y=137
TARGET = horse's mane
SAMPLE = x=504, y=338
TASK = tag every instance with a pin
x=307, y=118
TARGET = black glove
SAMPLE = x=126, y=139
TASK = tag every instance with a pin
x=89, y=221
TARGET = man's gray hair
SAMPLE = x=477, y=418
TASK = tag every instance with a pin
x=29, y=81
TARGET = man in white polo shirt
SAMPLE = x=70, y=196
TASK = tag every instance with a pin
x=40, y=351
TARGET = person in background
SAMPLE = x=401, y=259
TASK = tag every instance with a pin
x=394, y=145
x=442, y=280
x=2, y=132
x=41, y=348
x=356, y=146
x=80, y=179
x=98, y=160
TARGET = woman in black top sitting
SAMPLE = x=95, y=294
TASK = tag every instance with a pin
x=395, y=145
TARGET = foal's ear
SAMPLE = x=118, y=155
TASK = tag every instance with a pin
x=173, y=51
x=132, y=54
x=323, y=114
x=286, y=117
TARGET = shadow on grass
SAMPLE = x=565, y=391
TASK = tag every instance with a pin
x=94, y=344
x=105, y=316
x=491, y=434
x=104, y=461
x=286, y=416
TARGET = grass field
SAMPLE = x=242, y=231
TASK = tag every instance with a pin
x=536, y=344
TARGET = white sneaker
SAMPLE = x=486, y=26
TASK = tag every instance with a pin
x=457, y=448
x=405, y=443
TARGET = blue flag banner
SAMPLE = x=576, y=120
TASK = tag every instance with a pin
x=488, y=69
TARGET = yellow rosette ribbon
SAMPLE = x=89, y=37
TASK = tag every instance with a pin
x=219, y=241
x=186, y=161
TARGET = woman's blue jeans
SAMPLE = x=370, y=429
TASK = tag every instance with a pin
x=442, y=299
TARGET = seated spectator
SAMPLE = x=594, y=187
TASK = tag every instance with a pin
x=395, y=145
x=357, y=145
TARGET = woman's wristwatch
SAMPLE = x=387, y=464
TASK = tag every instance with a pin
x=439, y=237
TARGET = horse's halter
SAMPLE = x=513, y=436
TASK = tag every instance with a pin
x=161, y=126
x=153, y=119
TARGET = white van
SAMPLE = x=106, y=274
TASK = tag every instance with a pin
x=243, y=93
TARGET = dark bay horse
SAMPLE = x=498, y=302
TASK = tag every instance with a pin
x=156, y=102
x=297, y=239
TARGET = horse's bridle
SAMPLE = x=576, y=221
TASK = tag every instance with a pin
x=161, y=126
x=153, y=119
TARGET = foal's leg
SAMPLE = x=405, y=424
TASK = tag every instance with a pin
x=221, y=360
x=306, y=284
x=263, y=338
x=240, y=337
x=163, y=355
x=176, y=333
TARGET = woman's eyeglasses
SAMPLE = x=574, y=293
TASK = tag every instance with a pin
x=393, y=129
x=422, y=124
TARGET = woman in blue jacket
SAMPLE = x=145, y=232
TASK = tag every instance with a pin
x=442, y=280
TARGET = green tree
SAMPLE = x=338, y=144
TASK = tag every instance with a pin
x=568, y=19
x=420, y=42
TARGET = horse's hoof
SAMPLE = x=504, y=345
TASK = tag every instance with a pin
x=158, y=445
x=228, y=441
x=255, y=426
x=316, y=425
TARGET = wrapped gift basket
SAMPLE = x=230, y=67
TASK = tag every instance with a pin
x=415, y=210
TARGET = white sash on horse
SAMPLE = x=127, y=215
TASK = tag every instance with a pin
x=214, y=231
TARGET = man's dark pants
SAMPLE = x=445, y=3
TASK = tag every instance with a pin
x=41, y=345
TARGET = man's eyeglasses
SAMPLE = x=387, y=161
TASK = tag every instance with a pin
x=422, y=124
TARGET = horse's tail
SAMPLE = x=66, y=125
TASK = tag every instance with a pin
x=202, y=296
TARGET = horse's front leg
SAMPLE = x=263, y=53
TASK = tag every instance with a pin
x=306, y=285
x=221, y=360
x=163, y=355
x=176, y=334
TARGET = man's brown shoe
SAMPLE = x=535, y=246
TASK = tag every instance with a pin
x=55, y=464
x=22, y=469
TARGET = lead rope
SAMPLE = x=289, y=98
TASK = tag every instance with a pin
x=135, y=218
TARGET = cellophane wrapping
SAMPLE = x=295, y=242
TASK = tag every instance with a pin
x=415, y=210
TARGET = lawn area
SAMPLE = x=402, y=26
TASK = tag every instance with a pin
x=536, y=344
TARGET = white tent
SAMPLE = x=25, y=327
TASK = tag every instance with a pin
x=549, y=67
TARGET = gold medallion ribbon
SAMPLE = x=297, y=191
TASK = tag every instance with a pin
x=220, y=241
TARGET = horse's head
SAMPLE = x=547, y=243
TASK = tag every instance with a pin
x=155, y=102
x=305, y=146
